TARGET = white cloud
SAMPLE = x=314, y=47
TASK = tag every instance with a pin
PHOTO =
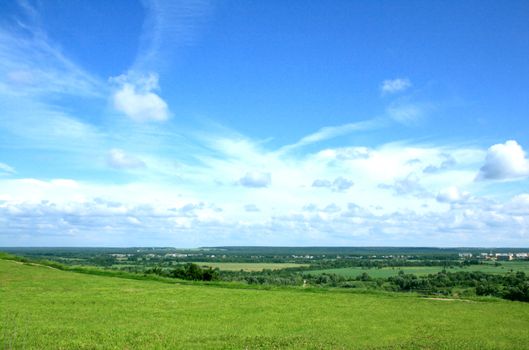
x=35, y=77
x=504, y=162
x=339, y=184
x=136, y=99
x=330, y=132
x=395, y=85
x=349, y=153
x=452, y=194
x=354, y=210
x=69, y=222
x=168, y=26
x=256, y=179
x=447, y=163
x=310, y=207
x=6, y=169
x=405, y=112
x=321, y=183
x=405, y=186
x=519, y=204
x=331, y=208
x=118, y=159
x=69, y=212
x=178, y=203
x=32, y=65
x=251, y=208
x=342, y=184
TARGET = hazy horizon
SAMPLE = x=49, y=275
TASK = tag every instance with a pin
x=269, y=246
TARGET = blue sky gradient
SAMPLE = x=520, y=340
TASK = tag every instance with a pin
x=193, y=123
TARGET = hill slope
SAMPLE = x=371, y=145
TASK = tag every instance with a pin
x=45, y=308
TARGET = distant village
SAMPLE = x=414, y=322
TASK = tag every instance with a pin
x=491, y=256
x=496, y=256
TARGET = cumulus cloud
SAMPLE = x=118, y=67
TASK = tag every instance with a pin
x=351, y=153
x=331, y=208
x=339, y=184
x=342, y=184
x=171, y=206
x=447, y=163
x=251, y=208
x=504, y=161
x=61, y=221
x=113, y=219
x=256, y=179
x=321, y=183
x=406, y=186
x=118, y=159
x=452, y=194
x=519, y=204
x=395, y=85
x=136, y=99
x=413, y=161
x=356, y=211
x=310, y=207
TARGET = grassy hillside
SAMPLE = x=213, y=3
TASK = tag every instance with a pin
x=45, y=308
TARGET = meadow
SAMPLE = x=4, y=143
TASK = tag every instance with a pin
x=386, y=272
x=45, y=308
x=249, y=266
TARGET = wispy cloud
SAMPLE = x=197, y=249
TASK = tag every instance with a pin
x=30, y=63
x=26, y=121
x=330, y=132
x=392, y=86
x=6, y=169
x=169, y=26
x=405, y=112
x=118, y=159
x=35, y=75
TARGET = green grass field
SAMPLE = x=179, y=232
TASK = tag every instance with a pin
x=424, y=270
x=229, y=266
x=44, y=308
x=249, y=266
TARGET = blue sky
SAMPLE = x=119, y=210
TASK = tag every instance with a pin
x=195, y=123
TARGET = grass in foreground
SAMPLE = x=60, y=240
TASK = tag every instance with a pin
x=43, y=308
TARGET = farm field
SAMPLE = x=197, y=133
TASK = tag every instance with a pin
x=230, y=266
x=249, y=266
x=424, y=270
x=44, y=308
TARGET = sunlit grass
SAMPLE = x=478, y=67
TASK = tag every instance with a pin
x=43, y=308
